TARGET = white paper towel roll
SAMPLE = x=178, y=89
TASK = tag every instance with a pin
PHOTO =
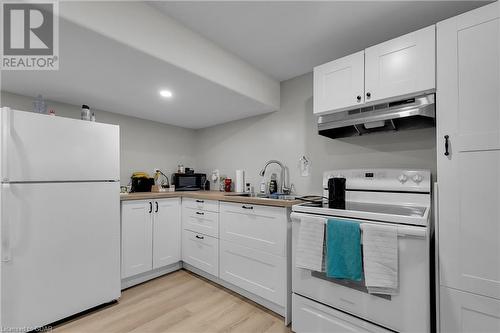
x=239, y=181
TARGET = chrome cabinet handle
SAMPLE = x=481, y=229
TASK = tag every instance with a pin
x=156, y=202
x=446, y=145
x=247, y=207
x=368, y=95
x=150, y=207
x=200, y=201
x=200, y=237
x=358, y=98
x=200, y=213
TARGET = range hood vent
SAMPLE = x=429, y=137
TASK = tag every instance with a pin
x=409, y=113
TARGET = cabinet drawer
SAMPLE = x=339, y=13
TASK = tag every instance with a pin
x=258, y=227
x=310, y=316
x=201, y=221
x=201, y=204
x=201, y=251
x=258, y=272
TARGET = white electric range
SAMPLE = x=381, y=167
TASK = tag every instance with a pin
x=398, y=197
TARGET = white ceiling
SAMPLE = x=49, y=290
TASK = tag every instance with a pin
x=111, y=76
x=287, y=39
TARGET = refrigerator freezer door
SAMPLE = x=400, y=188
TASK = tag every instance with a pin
x=65, y=250
x=38, y=148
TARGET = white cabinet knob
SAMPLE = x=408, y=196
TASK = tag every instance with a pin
x=402, y=179
x=417, y=178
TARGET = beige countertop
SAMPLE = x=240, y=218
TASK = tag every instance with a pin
x=209, y=195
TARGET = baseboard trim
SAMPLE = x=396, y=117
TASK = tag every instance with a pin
x=149, y=275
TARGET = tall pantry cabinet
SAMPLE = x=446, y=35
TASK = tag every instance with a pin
x=468, y=148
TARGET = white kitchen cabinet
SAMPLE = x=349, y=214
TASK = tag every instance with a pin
x=137, y=237
x=259, y=227
x=339, y=84
x=397, y=68
x=253, y=249
x=201, y=251
x=468, y=118
x=401, y=66
x=258, y=272
x=150, y=234
x=201, y=221
x=466, y=312
x=166, y=232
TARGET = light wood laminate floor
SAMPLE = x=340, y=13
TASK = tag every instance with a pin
x=178, y=302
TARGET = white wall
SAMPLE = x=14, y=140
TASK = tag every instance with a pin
x=247, y=144
x=291, y=132
x=144, y=145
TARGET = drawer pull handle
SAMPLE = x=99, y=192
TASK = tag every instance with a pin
x=200, y=201
x=247, y=207
x=200, y=213
x=200, y=237
x=150, y=207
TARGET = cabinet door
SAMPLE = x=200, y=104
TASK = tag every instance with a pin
x=339, y=84
x=401, y=66
x=137, y=242
x=201, y=251
x=468, y=101
x=258, y=272
x=465, y=312
x=166, y=232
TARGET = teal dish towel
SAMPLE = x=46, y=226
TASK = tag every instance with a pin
x=343, y=250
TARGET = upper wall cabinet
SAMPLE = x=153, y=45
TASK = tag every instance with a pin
x=401, y=66
x=340, y=83
x=396, y=68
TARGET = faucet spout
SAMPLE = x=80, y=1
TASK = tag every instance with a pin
x=284, y=188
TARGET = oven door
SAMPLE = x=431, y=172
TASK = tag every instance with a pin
x=407, y=311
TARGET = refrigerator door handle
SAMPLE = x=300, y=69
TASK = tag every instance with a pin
x=5, y=225
x=6, y=128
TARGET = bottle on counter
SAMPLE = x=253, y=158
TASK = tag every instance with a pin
x=227, y=184
x=273, y=184
x=262, y=187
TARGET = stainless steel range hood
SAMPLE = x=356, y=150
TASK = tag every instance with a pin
x=409, y=113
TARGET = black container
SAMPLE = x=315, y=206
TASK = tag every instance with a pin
x=336, y=193
x=142, y=184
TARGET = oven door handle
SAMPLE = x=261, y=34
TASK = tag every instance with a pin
x=403, y=230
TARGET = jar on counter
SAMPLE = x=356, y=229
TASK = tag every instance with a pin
x=227, y=184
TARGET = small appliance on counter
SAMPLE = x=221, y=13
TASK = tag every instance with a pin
x=141, y=182
x=190, y=181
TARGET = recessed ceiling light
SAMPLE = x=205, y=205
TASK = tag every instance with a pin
x=166, y=93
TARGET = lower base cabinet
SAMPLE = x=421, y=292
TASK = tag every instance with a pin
x=258, y=272
x=201, y=251
x=465, y=312
x=310, y=316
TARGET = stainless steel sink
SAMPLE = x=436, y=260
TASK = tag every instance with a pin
x=262, y=196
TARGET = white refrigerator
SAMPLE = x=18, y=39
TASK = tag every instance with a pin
x=59, y=217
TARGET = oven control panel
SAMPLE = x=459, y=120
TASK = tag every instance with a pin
x=405, y=180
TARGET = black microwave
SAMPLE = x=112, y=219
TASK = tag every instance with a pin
x=189, y=181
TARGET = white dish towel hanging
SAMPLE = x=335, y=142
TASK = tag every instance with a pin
x=310, y=245
x=380, y=258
